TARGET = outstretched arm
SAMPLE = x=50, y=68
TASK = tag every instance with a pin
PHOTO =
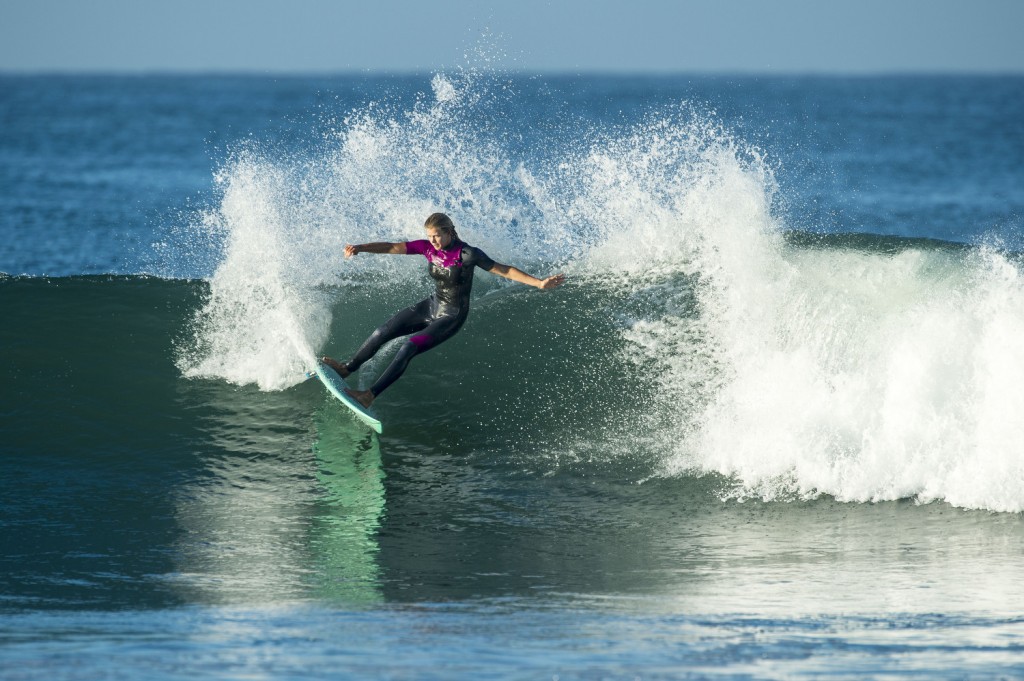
x=385, y=247
x=514, y=274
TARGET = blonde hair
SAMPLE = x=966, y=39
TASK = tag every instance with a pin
x=442, y=222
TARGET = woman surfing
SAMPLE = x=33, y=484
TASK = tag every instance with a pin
x=451, y=262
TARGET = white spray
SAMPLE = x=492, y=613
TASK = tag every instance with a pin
x=791, y=371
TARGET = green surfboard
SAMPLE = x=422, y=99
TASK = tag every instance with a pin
x=336, y=385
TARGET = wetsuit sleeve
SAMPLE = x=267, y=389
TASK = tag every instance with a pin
x=418, y=247
x=471, y=255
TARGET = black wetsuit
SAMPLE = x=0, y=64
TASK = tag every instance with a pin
x=431, y=321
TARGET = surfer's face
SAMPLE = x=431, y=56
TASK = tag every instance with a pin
x=439, y=238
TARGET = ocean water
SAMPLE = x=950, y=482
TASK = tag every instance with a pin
x=771, y=428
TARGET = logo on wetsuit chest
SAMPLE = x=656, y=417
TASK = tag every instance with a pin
x=443, y=272
x=448, y=275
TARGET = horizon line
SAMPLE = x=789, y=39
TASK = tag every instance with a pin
x=519, y=72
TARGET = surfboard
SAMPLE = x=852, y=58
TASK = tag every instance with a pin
x=336, y=385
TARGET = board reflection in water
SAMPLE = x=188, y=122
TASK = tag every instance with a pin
x=344, y=528
x=285, y=509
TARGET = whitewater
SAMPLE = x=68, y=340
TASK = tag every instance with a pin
x=790, y=369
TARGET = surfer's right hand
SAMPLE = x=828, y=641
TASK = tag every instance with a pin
x=350, y=250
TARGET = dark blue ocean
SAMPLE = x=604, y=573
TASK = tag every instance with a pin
x=769, y=429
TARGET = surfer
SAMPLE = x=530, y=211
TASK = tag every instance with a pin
x=432, y=321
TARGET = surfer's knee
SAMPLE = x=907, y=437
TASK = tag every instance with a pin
x=410, y=348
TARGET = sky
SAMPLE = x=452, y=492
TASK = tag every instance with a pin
x=538, y=36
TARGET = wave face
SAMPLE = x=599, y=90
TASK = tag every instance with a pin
x=699, y=336
x=862, y=368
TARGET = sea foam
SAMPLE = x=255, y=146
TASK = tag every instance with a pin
x=790, y=371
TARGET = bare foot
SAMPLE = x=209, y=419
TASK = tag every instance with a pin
x=337, y=366
x=363, y=397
